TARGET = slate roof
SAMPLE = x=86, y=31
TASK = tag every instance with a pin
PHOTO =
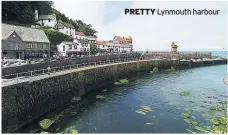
x=123, y=39
x=79, y=33
x=100, y=43
x=69, y=43
x=46, y=17
x=25, y=33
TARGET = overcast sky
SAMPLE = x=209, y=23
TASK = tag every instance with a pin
x=153, y=32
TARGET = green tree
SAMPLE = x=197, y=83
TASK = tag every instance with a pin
x=22, y=11
x=93, y=50
x=55, y=37
x=26, y=15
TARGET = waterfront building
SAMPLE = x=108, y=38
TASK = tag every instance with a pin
x=24, y=42
x=125, y=42
x=102, y=47
x=68, y=49
x=83, y=42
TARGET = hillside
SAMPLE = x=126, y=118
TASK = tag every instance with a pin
x=22, y=13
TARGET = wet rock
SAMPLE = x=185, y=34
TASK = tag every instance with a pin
x=75, y=99
x=184, y=93
x=46, y=123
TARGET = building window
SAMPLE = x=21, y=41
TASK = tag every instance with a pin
x=86, y=45
x=63, y=47
x=4, y=53
x=75, y=46
x=103, y=46
x=29, y=45
x=66, y=32
x=34, y=45
x=49, y=20
x=70, y=46
x=44, y=46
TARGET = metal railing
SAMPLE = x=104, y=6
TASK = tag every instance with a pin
x=62, y=68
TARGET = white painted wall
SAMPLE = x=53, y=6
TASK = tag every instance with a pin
x=52, y=23
x=67, y=31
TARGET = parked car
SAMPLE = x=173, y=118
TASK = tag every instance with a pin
x=10, y=60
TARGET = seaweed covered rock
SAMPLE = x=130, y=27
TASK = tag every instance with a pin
x=184, y=93
x=185, y=115
x=123, y=81
x=46, y=123
x=155, y=69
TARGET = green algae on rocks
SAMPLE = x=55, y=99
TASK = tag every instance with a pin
x=184, y=93
x=74, y=131
x=214, y=121
x=140, y=112
x=123, y=81
x=146, y=108
x=46, y=123
x=155, y=69
x=185, y=115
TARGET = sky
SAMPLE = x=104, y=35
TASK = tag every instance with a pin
x=154, y=32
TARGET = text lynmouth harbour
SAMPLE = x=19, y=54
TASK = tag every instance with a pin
x=162, y=12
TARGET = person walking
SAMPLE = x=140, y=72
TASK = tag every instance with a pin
x=48, y=69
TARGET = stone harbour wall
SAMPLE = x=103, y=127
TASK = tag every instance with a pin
x=24, y=102
x=59, y=63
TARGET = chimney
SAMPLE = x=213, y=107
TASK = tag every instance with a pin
x=36, y=15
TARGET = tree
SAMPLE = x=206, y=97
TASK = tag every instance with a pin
x=55, y=37
x=26, y=15
x=22, y=11
x=93, y=49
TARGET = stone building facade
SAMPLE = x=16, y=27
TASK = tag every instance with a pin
x=22, y=42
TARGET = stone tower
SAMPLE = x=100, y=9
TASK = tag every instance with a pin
x=174, y=48
x=174, y=52
x=36, y=15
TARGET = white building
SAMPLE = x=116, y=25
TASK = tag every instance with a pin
x=65, y=28
x=45, y=20
x=67, y=48
x=91, y=39
x=83, y=42
x=102, y=46
x=125, y=48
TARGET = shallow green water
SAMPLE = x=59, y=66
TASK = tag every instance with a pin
x=116, y=113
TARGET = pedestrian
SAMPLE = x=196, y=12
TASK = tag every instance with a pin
x=48, y=69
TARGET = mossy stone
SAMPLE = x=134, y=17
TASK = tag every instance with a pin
x=155, y=69
x=74, y=131
x=184, y=93
x=46, y=123
x=212, y=108
x=123, y=81
x=214, y=121
x=186, y=115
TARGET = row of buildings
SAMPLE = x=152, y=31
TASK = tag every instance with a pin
x=81, y=43
x=24, y=42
